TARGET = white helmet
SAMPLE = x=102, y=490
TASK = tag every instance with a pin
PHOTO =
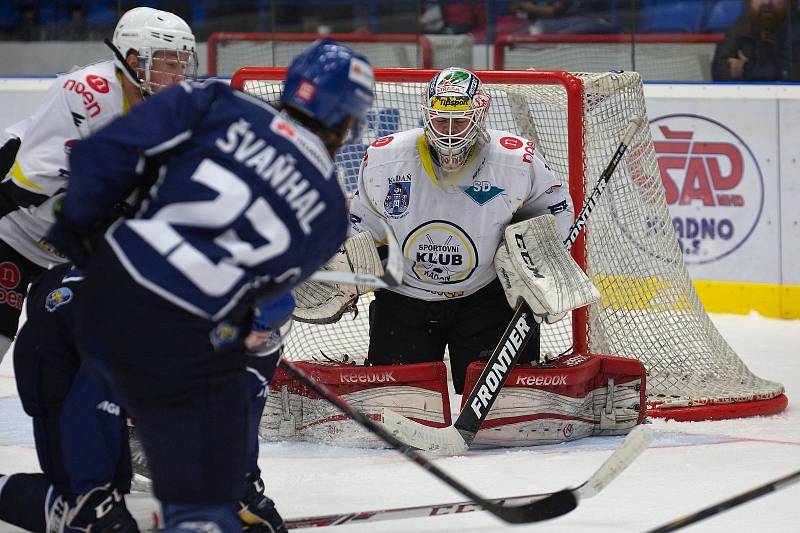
x=454, y=109
x=148, y=31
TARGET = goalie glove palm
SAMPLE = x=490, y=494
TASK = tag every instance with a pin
x=533, y=264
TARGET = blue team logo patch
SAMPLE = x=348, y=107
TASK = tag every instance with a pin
x=57, y=298
x=224, y=333
x=397, y=197
x=482, y=191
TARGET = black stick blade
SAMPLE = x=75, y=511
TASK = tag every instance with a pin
x=555, y=505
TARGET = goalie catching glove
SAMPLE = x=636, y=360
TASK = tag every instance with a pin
x=533, y=264
x=323, y=303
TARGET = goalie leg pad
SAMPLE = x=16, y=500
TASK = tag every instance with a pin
x=577, y=396
x=293, y=412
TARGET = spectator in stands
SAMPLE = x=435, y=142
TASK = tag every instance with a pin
x=465, y=17
x=431, y=19
x=760, y=46
x=564, y=16
x=29, y=28
x=75, y=27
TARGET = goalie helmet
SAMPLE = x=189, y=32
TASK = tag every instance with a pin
x=164, y=43
x=454, y=109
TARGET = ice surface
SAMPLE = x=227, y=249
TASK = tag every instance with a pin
x=690, y=465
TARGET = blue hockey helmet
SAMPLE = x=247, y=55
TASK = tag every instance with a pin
x=330, y=82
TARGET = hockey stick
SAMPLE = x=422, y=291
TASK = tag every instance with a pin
x=392, y=274
x=551, y=506
x=752, y=494
x=458, y=437
x=634, y=444
x=634, y=124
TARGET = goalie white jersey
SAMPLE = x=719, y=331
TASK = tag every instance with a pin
x=450, y=225
x=77, y=104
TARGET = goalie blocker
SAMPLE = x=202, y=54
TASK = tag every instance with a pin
x=577, y=396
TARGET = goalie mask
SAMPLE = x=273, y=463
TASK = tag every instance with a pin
x=454, y=109
x=164, y=44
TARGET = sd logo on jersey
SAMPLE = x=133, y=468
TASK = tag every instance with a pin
x=397, y=197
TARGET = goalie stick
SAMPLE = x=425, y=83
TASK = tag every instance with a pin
x=752, y=494
x=393, y=271
x=634, y=444
x=457, y=438
x=553, y=505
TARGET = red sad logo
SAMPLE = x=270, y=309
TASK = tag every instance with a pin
x=383, y=141
x=712, y=182
x=98, y=83
x=511, y=143
x=9, y=275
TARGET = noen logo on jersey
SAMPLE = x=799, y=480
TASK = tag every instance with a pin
x=442, y=252
x=493, y=377
x=398, y=196
x=57, y=298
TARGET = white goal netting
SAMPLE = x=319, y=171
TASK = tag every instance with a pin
x=649, y=310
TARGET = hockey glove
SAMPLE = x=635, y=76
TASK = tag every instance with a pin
x=532, y=264
x=271, y=324
x=67, y=239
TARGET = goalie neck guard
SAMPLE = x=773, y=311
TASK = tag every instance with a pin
x=454, y=109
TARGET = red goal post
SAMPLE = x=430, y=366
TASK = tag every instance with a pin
x=655, y=56
x=228, y=51
x=649, y=310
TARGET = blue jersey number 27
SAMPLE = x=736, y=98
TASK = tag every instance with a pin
x=234, y=200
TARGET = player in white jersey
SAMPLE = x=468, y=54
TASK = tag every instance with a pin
x=156, y=49
x=448, y=191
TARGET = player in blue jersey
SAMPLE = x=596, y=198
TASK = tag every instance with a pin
x=80, y=427
x=242, y=205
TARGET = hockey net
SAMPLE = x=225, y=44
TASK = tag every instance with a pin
x=656, y=57
x=228, y=51
x=649, y=310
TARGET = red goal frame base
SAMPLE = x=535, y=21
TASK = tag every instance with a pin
x=724, y=411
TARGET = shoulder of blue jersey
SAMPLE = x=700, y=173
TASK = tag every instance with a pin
x=308, y=144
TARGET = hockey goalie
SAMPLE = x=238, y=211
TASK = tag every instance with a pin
x=482, y=219
x=553, y=400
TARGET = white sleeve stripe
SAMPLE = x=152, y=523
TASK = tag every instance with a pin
x=170, y=143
